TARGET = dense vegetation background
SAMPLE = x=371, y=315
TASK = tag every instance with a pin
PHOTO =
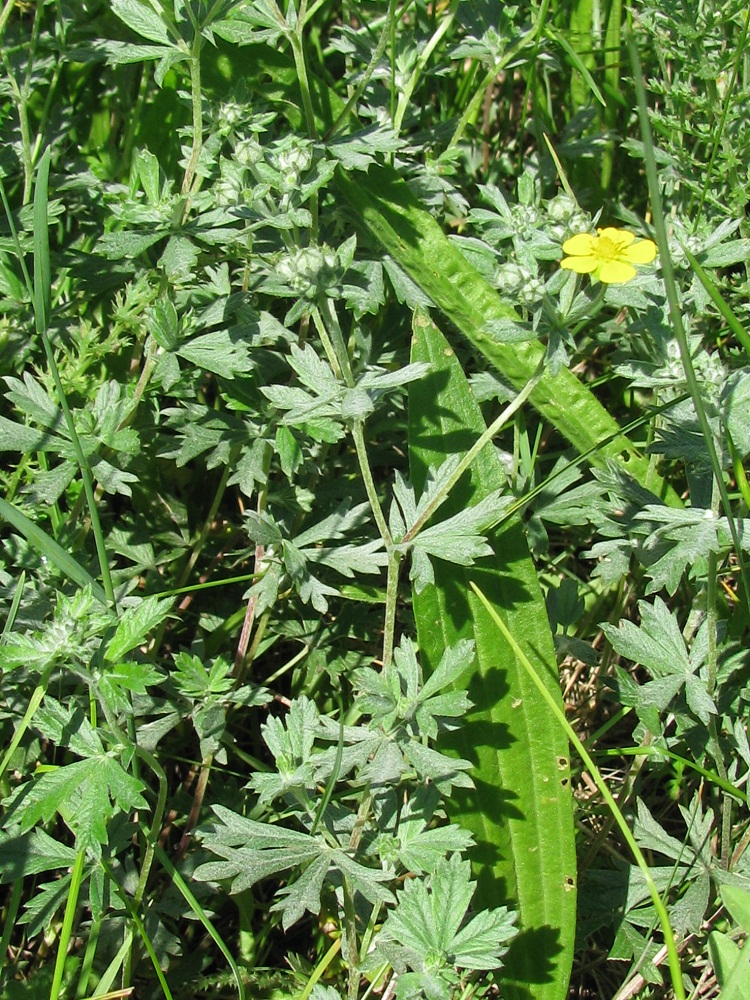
x=374, y=588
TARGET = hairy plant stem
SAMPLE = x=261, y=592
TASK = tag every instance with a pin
x=391, y=602
x=350, y=918
x=295, y=36
x=332, y=339
x=332, y=355
x=352, y=952
x=196, y=102
x=242, y=656
x=197, y=804
x=5, y=14
x=712, y=665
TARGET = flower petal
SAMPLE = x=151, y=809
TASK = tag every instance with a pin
x=582, y=244
x=620, y=237
x=581, y=265
x=642, y=252
x=615, y=271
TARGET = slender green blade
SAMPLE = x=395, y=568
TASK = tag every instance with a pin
x=734, y=324
x=42, y=274
x=521, y=810
x=47, y=547
x=393, y=214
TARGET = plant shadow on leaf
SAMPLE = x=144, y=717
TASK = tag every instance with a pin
x=543, y=942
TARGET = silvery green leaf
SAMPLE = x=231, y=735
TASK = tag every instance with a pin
x=31, y=398
x=365, y=880
x=368, y=558
x=140, y=16
x=484, y=939
x=261, y=528
x=67, y=727
x=19, y=437
x=31, y=854
x=303, y=894
x=429, y=915
x=312, y=371
x=246, y=866
x=115, y=246
x=324, y=993
x=219, y=352
x=357, y=151
x=123, y=53
x=462, y=549
x=445, y=772
x=453, y=663
x=404, y=495
x=375, y=379
x=336, y=525
x=654, y=837
x=235, y=831
x=356, y=404
x=421, y=573
x=657, y=643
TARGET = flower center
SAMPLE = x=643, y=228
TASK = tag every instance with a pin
x=606, y=248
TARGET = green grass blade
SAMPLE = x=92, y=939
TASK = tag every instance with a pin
x=721, y=304
x=386, y=206
x=14, y=604
x=42, y=272
x=49, y=549
x=675, y=311
x=179, y=883
x=579, y=64
x=521, y=810
x=66, y=931
x=34, y=702
x=539, y=682
x=42, y=298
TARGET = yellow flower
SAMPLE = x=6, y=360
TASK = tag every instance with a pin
x=609, y=256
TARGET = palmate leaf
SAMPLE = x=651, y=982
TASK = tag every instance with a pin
x=252, y=851
x=41, y=908
x=658, y=645
x=134, y=625
x=408, y=836
x=427, y=926
x=30, y=854
x=69, y=727
x=85, y=793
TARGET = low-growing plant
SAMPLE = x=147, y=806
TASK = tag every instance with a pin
x=344, y=420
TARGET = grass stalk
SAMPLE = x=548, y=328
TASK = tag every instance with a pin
x=66, y=932
x=675, y=309
x=661, y=910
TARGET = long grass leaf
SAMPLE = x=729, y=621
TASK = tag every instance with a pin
x=181, y=885
x=42, y=273
x=661, y=910
x=521, y=809
x=720, y=302
x=409, y=233
x=675, y=311
x=50, y=550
